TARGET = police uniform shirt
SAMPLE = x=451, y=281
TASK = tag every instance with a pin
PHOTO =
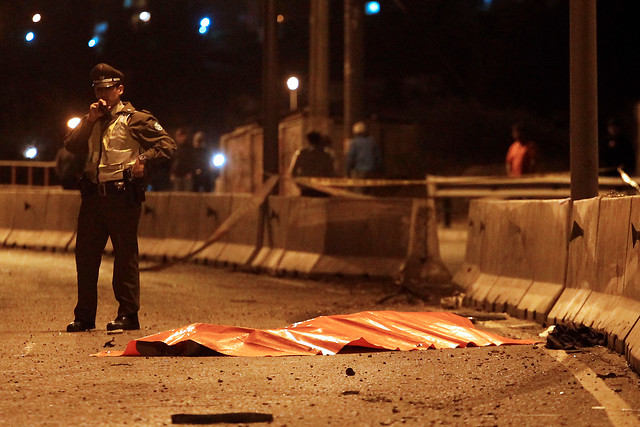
x=115, y=141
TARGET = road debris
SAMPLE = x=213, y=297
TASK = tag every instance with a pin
x=229, y=418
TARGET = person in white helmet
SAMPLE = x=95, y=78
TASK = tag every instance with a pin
x=364, y=160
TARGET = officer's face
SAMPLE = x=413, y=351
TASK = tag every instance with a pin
x=111, y=95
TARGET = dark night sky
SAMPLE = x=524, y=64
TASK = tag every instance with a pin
x=511, y=56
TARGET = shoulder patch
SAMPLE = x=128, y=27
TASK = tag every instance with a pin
x=157, y=126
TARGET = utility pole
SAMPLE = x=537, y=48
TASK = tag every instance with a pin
x=319, y=65
x=270, y=87
x=353, y=65
x=583, y=99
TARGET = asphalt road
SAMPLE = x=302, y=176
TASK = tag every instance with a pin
x=49, y=377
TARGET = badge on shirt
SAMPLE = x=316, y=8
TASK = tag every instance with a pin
x=157, y=127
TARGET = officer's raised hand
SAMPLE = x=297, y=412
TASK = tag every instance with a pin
x=97, y=110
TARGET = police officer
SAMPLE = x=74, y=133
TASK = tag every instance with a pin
x=119, y=141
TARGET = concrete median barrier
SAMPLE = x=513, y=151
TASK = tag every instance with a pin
x=476, y=223
x=366, y=237
x=545, y=241
x=490, y=262
x=179, y=228
x=30, y=209
x=305, y=233
x=7, y=212
x=601, y=285
x=512, y=267
x=60, y=220
x=241, y=241
x=520, y=257
x=276, y=223
x=351, y=237
x=554, y=262
x=361, y=237
x=581, y=261
x=152, y=226
x=214, y=209
x=631, y=284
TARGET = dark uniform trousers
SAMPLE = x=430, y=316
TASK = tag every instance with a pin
x=103, y=216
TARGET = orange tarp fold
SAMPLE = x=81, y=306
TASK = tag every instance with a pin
x=326, y=335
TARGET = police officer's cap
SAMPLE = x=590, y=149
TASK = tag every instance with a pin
x=104, y=75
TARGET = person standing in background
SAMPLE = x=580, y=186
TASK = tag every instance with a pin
x=364, y=159
x=181, y=172
x=616, y=151
x=522, y=154
x=202, y=176
x=313, y=161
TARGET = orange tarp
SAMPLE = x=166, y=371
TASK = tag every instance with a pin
x=326, y=335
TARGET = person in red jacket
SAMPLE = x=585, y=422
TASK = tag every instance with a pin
x=522, y=154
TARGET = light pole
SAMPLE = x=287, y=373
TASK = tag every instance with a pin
x=292, y=84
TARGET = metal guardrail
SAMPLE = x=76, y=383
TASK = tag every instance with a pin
x=548, y=186
x=30, y=167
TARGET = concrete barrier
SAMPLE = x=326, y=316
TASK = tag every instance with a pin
x=315, y=236
x=30, y=209
x=214, y=209
x=524, y=247
x=545, y=242
x=556, y=263
x=476, y=223
x=7, y=211
x=179, y=228
x=241, y=242
x=513, y=269
x=581, y=261
x=365, y=237
x=60, y=221
x=631, y=283
x=329, y=236
x=275, y=236
x=152, y=226
x=601, y=285
x=490, y=261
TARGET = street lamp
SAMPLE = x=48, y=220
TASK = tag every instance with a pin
x=73, y=122
x=292, y=84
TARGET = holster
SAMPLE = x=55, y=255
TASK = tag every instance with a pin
x=137, y=185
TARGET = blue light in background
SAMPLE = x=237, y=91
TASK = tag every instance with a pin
x=101, y=27
x=218, y=160
x=30, y=36
x=372, y=7
x=31, y=152
x=205, y=23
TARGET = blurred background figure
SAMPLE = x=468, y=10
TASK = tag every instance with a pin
x=181, y=172
x=69, y=168
x=313, y=160
x=616, y=151
x=202, y=174
x=522, y=155
x=364, y=159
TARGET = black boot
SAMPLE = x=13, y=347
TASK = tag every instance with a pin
x=80, y=326
x=127, y=322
